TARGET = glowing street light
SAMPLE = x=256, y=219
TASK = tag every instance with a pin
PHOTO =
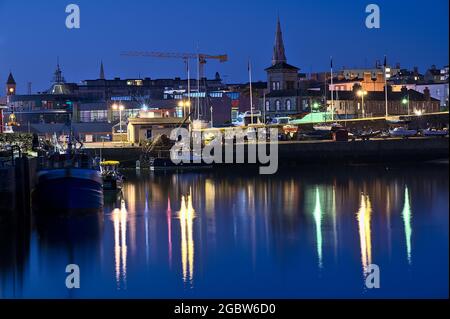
x=405, y=101
x=361, y=94
x=185, y=104
x=316, y=106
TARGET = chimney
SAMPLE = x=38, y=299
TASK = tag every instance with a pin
x=426, y=94
x=380, y=77
x=404, y=90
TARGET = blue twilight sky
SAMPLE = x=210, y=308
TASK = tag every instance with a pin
x=33, y=34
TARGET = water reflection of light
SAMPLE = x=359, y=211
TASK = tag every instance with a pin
x=146, y=212
x=333, y=212
x=406, y=214
x=318, y=221
x=187, y=215
x=364, y=219
x=119, y=217
x=169, y=230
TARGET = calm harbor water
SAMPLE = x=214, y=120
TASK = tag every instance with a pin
x=303, y=233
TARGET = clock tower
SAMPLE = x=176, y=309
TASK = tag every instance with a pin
x=10, y=85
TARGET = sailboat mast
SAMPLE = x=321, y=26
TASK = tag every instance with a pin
x=198, y=87
x=189, y=88
x=251, y=90
x=332, y=91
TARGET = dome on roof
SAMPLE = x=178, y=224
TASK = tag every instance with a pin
x=59, y=86
x=59, y=89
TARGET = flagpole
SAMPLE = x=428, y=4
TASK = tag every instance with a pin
x=198, y=87
x=264, y=108
x=332, y=92
x=385, y=86
x=251, y=91
x=189, y=89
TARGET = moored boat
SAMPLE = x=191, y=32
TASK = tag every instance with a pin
x=111, y=177
x=398, y=120
x=366, y=135
x=402, y=132
x=327, y=127
x=68, y=182
x=434, y=132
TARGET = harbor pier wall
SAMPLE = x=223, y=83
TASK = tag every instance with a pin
x=310, y=152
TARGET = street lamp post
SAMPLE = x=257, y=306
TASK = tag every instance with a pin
x=405, y=101
x=362, y=93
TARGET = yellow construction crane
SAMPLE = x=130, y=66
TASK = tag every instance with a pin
x=201, y=57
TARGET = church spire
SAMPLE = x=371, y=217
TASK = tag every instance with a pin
x=102, y=71
x=279, y=55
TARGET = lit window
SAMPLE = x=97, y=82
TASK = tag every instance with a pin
x=288, y=105
x=278, y=105
x=267, y=105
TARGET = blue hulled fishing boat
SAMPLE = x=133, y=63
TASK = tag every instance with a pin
x=68, y=181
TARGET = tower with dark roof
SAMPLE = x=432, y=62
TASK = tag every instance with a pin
x=102, y=71
x=279, y=54
x=11, y=85
x=283, y=97
x=281, y=75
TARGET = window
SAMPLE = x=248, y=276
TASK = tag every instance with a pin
x=274, y=86
x=267, y=105
x=278, y=86
x=93, y=116
x=278, y=105
x=288, y=105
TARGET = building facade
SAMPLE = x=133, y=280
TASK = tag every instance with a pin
x=349, y=104
x=282, y=96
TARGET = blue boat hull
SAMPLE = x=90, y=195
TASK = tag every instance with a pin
x=69, y=189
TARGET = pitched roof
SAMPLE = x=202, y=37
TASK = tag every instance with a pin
x=279, y=54
x=102, y=71
x=282, y=66
x=10, y=79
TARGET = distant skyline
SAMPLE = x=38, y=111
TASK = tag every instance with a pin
x=33, y=35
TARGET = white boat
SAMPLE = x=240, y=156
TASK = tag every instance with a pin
x=239, y=121
x=402, y=132
x=249, y=118
x=434, y=132
x=327, y=127
x=281, y=120
x=200, y=124
x=398, y=120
